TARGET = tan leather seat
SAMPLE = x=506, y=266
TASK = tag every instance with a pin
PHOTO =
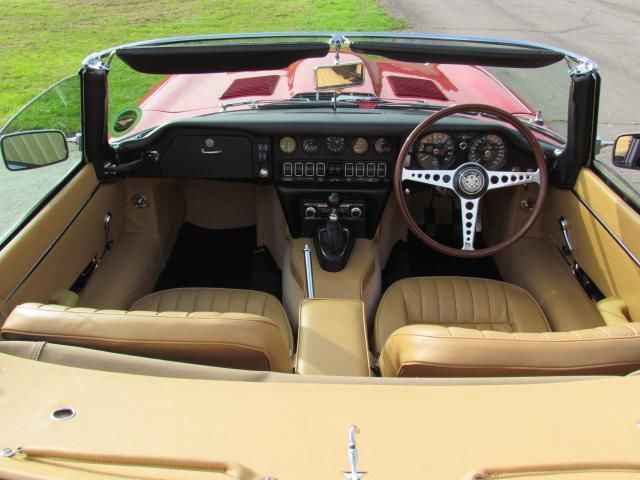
x=221, y=327
x=475, y=303
x=468, y=327
x=218, y=300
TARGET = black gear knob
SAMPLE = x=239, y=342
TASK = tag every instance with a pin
x=334, y=200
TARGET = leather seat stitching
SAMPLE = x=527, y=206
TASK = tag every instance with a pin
x=486, y=287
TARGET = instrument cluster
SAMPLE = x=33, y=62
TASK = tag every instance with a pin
x=335, y=144
x=445, y=151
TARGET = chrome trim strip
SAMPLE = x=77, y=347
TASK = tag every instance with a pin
x=620, y=243
x=51, y=246
x=308, y=271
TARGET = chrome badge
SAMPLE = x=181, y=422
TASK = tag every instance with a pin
x=471, y=181
x=353, y=474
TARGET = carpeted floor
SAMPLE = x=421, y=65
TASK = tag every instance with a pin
x=226, y=258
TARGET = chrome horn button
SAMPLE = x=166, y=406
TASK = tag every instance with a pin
x=471, y=181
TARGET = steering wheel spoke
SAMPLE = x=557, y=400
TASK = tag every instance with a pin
x=504, y=179
x=435, y=178
x=470, y=212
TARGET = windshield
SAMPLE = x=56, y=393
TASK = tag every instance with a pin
x=152, y=84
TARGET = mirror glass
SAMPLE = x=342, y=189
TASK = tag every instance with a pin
x=332, y=77
x=626, y=151
x=27, y=150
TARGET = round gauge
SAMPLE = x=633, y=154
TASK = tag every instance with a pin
x=311, y=145
x=359, y=145
x=435, y=151
x=336, y=144
x=489, y=151
x=288, y=145
x=383, y=145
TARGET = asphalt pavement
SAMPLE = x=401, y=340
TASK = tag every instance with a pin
x=607, y=31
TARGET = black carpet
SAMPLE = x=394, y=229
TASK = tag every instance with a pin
x=414, y=259
x=226, y=258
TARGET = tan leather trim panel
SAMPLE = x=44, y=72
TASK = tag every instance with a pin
x=347, y=283
x=434, y=350
x=596, y=251
x=26, y=248
x=235, y=340
x=293, y=431
x=129, y=271
x=164, y=215
x=359, y=280
x=332, y=338
x=623, y=221
x=216, y=204
x=613, y=310
x=535, y=264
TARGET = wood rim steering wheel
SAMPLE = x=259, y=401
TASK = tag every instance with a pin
x=470, y=182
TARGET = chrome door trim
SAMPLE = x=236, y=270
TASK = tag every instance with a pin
x=55, y=241
x=620, y=243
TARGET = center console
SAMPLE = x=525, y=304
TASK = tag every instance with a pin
x=333, y=189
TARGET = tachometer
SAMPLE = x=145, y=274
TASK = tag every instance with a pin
x=435, y=151
x=288, y=144
x=490, y=151
x=336, y=144
x=311, y=145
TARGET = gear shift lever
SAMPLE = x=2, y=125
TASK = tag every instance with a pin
x=335, y=238
x=334, y=241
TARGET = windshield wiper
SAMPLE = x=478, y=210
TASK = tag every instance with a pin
x=317, y=99
x=256, y=104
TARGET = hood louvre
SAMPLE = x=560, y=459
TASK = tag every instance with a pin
x=244, y=87
x=415, y=88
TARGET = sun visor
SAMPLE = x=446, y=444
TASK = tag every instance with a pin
x=462, y=54
x=219, y=58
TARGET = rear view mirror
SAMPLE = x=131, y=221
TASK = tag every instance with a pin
x=626, y=151
x=342, y=75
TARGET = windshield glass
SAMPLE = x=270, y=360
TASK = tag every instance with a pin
x=527, y=81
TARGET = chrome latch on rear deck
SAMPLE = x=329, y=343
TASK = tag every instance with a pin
x=353, y=474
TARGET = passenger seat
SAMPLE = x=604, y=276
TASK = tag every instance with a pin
x=209, y=326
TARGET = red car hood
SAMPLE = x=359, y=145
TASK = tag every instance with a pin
x=180, y=96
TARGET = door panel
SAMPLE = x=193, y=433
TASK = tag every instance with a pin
x=605, y=233
x=52, y=250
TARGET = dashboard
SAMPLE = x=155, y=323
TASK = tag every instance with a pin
x=308, y=155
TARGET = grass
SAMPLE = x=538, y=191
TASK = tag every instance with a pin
x=45, y=40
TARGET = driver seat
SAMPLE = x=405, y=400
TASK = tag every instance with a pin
x=474, y=327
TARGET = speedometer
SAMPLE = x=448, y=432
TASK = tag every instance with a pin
x=435, y=151
x=490, y=151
